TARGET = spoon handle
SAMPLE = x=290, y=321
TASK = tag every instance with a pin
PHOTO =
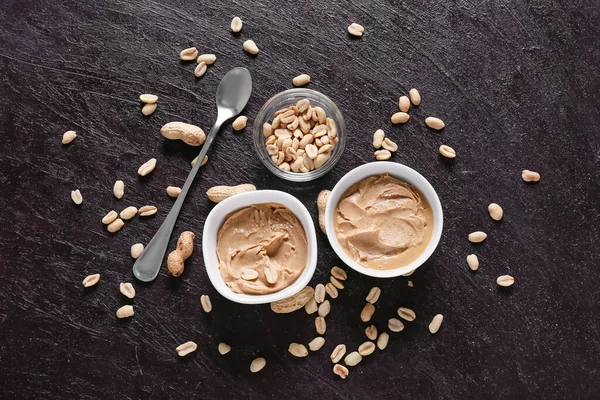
x=147, y=266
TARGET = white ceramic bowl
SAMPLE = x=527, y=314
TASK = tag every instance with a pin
x=216, y=218
x=403, y=173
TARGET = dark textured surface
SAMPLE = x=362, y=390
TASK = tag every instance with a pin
x=517, y=84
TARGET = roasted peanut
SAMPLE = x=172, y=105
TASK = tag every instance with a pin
x=185, y=248
x=220, y=193
x=190, y=134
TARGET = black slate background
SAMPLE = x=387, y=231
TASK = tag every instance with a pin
x=517, y=84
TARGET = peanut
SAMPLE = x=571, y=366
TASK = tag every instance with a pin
x=530, y=176
x=207, y=59
x=185, y=248
x=236, y=24
x=505, y=280
x=76, y=197
x=148, y=98
x=298, y=350
x=239, y=123
x=356, y=29
x=110, y=217
x=119, y=189
x=115, y=225
x=378, y=138
x=186, y=348
x=250, y=47
x=415, y=97
x=173, y=191
x=404, y=103
x=473, y=262
x=407, y=314
x=382, y=155
x=339, y=274
x=434, y=123
x=136, y=250
x=147, y=167
x=224, y=348
x=495, y=211
x=204, y=161
x=477, y=237
x=389, y=145
x=400, y=118
x=435, y=323
x=127, y=290
x=206, y=303
x=147, y=211
x=447, y=151
x=382, y=340
x=200, y=69
x=125, y=312
x=257, y=364
x=340, y=371
x=395, y=325
x=68, y=137
x=91, y=280
x=190, y=134
x=220, y=193
x=188, y=54
x=301, y=80
x=316, y=343
x=321, y=205
x=148, y=109
x=128, y=213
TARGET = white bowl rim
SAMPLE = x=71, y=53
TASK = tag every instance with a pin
x=213, y=223
x=405, y=174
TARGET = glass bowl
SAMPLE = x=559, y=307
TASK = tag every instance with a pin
x=288, y=98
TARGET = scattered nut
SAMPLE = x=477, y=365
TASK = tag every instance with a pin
x=389, y=145
x=395, y=325
x=530, y=176
x=311, y=307
x=136, y=250
x=339, y=274
x=367, y=348
x=68, y=137
x=447, y=151
x=127, y=290
x=110, y=217
x=505, y=280
x=200, y=69
x=378, y=138
x=119, y=189
x=188, y=133
x=407, y=314
x=301, y=80
x=356, y=29
x=257, y=364
x=404, y=103
x=435, y=324
x=400, y=118
x=128, y=213
x=352, y=359
x=297, y=350
x=186, y=348
x=76, y=197
x=206, y=303
x=338, y=285
x=340, y=371
x=338, y=353
x=207, y=59
x=319, y=293
x=148, y=109
x=321, y=205
x=473, y=262
x=367, y=312
x=477, y=237
x=239, y=123
x=173, y=191
x=183, y=251
x=125, y=312
x=294, y=302
x=189, y=54
x=148, y=98
x=250, y=47
x=91, y=280
x=147, y=167
x=382, y=340
x=224, y=348
x=316, y=343
x=219, y=193
x=324, y=308
x=373, y=295
x=147, y=211
x=204, y=161
x=331, y=291
x=115, y=225
x=320, y=325
x=371, y=332
x=236, y=24
x=382, y=155
x=495, y=211
x=415, y=97
x=434, y=123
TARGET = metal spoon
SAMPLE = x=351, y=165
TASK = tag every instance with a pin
x=232, y=95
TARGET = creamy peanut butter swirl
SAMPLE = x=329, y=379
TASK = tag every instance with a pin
x=261, y=249
x=383, y=223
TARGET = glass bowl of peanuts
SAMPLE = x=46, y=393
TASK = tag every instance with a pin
x=299, y=134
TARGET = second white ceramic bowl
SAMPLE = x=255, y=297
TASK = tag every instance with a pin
x=403, y=173
x=216, y=218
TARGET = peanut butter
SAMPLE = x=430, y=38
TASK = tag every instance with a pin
x=261, y=249
x=383, y=223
